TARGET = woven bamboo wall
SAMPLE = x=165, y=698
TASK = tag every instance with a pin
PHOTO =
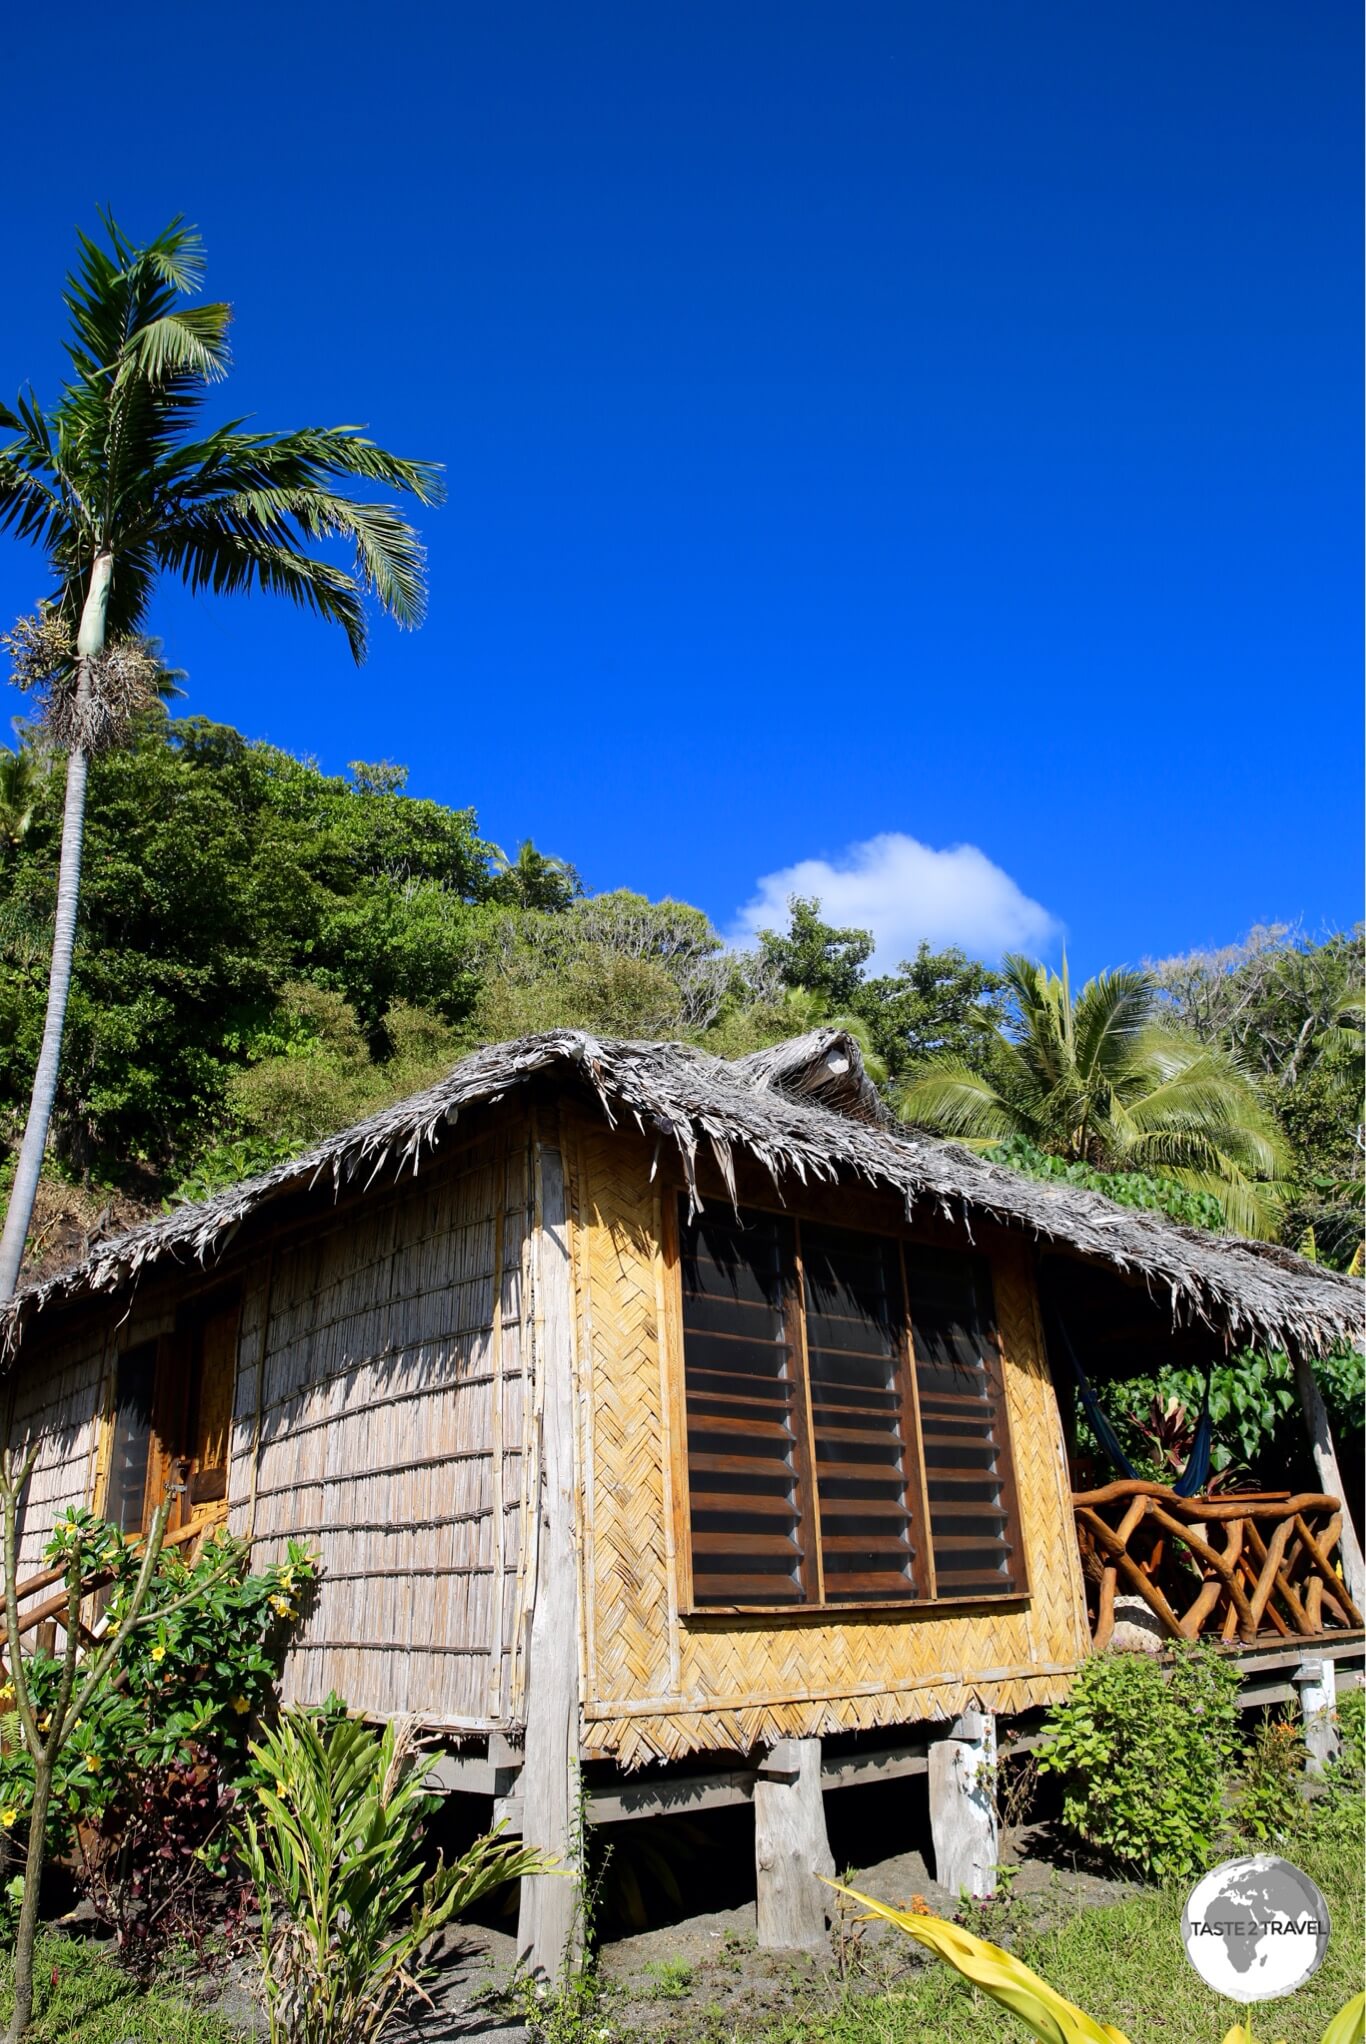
x=657, y=1685
x=380, y=1417
x=59, y=1403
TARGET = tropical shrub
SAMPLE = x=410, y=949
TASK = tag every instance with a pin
x=1255, y=1408
x=1269, y=1799
x=158, y=1869
x=145, y=1778
x=1142, y=1753
x=332, y=1835
x=1141, y=1189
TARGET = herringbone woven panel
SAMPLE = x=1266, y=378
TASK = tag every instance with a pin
x=630, y=1630
x=745, y=1681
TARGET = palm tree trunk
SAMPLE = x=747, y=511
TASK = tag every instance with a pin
x=89, y=646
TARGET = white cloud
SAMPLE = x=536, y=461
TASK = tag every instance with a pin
x=902, y=891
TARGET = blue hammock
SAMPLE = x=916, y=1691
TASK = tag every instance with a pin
x=1193, y=1477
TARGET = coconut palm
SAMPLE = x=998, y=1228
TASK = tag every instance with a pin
x=533, y=879
x=112, y=487
x=1099, y=1079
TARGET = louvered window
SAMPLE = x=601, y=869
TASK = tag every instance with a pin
x=963, y=1426
x=863, y=1433
x=746, y=1427
x=845, y=1418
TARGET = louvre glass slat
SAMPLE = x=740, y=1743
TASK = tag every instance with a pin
x=742, y=1400
x=958, y=1381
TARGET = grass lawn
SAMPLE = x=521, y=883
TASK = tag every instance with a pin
x=1125, y=1965
x=84, y=1998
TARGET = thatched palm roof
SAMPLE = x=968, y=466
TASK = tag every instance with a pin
x=803, y=1109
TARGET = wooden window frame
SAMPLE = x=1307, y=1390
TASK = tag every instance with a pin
x=824, y=1612
x=176, y=1387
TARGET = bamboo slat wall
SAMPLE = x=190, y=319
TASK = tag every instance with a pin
x=60, y=1403
x=384, y=1414
x=384, y=1424
x=657, y=1685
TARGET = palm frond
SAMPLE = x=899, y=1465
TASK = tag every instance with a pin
x=207, y=556
x=344, y=450
x=952, y=1100
x=28, y=505
x=1110, y=1014
x=390, y=556
x=1251, y=1205
x=1200, y=1087
x=191, y=341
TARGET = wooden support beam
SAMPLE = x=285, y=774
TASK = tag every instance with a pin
x=963, y=1823
x=1316, y=1680
x=854, y=1769
x=791, y=1848
x=1330, y=1476
x=475, y=1774
x=1333, y=1646
x=675, y=1795
x=549, y=1921
x=727, y=1788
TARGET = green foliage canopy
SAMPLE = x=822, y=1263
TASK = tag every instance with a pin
x=218, y=872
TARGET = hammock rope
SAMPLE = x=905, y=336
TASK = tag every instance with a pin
x=1193, y=1477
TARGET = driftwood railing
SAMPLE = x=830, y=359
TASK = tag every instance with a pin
x=1232, y=1568
x=52, y=1612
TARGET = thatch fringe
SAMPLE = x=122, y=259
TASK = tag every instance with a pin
x=802, y=1110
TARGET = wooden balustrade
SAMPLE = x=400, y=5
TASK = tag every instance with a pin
x=52, y=1611
x=1238, y=1567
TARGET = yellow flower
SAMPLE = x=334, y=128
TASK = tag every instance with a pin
x=8, y=1690
x=93, y=1763
x=9, y=1818
x=287, y=1580
x=45, y=1722
x=240, y=1705
x=158, y=1653
x=283, y=1606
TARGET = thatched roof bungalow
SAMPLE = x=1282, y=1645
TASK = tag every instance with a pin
x=641, y=1405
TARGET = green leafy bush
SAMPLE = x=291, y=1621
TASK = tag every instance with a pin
x=1142, y=1752
x=148, y=1773
x=338, y=1863
x=1269, y=1799
x=1126, y=1188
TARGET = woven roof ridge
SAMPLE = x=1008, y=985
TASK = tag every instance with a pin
x=770, y=1107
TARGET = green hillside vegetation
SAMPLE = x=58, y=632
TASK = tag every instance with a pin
x=267, y=952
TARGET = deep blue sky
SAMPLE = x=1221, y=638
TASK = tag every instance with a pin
x=860, y=419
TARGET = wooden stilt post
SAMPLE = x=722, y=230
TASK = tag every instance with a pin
x=1330, y=1476
x=549, y=1922
x=791, y=1848
x=1316, y=1680
x=963, y=1823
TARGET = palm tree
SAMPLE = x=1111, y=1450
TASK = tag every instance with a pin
x=1101, y=1080
x=110, y=485
x=533, y=879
